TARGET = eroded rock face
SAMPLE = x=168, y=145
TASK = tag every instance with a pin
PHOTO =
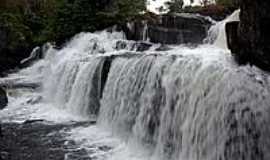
x=253, y=34
x=170, y=29
x=3, y=98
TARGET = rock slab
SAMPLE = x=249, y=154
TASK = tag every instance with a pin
x=3, y=98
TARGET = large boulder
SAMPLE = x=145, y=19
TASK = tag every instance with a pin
x=170, y=29
x=252, y=34
x=3, y=98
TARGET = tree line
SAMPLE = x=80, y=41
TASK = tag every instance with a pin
x=38, y=21
x=177, y=5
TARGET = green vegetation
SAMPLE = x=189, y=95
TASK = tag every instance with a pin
x=25, y=24
x=38, y=21
x=215, y=6
x=175, y=6
x=228, y=3
x=217, y=9
x=33, y=22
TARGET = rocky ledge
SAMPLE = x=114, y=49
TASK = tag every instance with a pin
x=170, y=29
x=36, y=140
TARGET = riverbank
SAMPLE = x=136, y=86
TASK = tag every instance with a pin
x=38, y=140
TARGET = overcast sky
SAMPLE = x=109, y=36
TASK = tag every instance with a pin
x=153, y=4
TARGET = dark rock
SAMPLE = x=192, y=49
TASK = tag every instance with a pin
x=105, y=72
x=170, y=29
x=3, y=98
x=163, y=47
x=120, y=45
x=34, y=100
x=33, y=121
x=36, y=141
x=141, y=46
x=233, y=39
x=15, y=85
x=36, y=54
x=253, y=34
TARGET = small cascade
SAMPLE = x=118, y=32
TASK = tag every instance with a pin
x=187, y=108
x=86, y=90
x=145, y=32
x=217, y=33
x=126, y=81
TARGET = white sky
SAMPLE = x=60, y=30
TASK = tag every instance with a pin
x=153, y=4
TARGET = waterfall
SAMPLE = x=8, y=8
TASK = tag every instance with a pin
x=180, y=104
x=145, y=32
x=217, y=33
x=187, y=107
x=86, y=90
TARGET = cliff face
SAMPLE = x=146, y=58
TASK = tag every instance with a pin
x=252, y=42
x=170, y=29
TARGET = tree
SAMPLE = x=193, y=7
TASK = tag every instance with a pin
x=175, y=6
x=228, y=3
x=125, y=10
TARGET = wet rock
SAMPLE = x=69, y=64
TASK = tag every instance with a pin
x=163, y=47
x=253, y=34
x=141, y=46
x=170, y=29
x=34, y=100
x=3, y=98
x=233, y=38
x=16, y=85
x=29, y=121
x=35, y=55
x=33, y=141
x=105, y=72
x=120, y=45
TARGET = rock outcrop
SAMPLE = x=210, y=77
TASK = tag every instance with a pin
x=170, y=29
x=250, y=39
x=3, y=98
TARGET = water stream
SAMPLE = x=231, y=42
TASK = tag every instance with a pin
x=181, y=104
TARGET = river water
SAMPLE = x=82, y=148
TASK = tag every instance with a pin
x=185, y=103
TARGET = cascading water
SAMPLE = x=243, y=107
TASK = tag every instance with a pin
x=217, y=34
x=185, y=103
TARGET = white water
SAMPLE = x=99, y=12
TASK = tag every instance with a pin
x=185, y=103
x=217, y=34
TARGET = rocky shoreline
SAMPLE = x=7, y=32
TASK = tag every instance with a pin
x=39, y=141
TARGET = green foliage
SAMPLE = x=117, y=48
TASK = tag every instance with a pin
x=175, y=6
x=19, y=35
x=228, y=3
x=38, y=21
x=124, y=10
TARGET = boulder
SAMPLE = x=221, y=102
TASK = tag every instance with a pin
x=252, y=35
x=163, y=47
x=170, y=29
x=3, y=98
x=121, y=45
x=141, y=46
x=35, y=55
